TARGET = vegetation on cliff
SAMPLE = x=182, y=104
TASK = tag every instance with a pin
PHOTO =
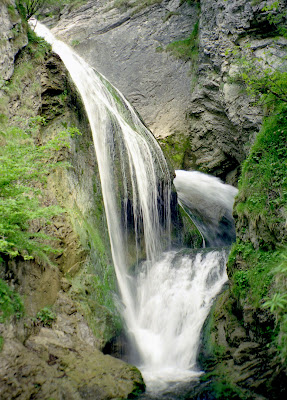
x=29, y=8
x=253, y=313
x=38, y=114
x=25, y=167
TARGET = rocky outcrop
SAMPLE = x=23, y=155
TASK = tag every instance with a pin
x=57, y=355
x=127, y=45
x=201, y=117
x=237, y=355
x=224, y=119
x=13, y=38
x=62, y=361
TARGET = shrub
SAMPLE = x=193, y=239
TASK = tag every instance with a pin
x=46, y=316
x=10, y=303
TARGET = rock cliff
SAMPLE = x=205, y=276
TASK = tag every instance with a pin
x=54, y=350
x=204, y=120
x=224, y=119
x=126, y=44
x=13, y=38
x=196, y=108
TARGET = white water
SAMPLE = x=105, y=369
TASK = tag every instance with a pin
x=209, y=203
x=166, y=304
x=174, y=296
x=141, y=149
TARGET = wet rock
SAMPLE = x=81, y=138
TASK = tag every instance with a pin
x=245, y=352
x=57, y=364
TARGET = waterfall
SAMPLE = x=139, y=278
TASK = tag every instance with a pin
x=166, y=302
x=137, y=148
x=208, y=202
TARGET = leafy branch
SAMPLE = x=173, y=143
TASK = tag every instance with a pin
x=24, y=169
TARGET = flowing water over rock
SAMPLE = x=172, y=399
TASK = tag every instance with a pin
x=166, y=300
x=208, y=202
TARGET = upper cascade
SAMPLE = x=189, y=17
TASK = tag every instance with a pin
x=209, y=203
x=134, y=174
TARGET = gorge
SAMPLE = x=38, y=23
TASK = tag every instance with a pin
x=54, y=348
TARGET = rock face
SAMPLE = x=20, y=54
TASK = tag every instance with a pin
x=234, y=352
x=60, y=357
x=63, y=362
x=127, y=45
x=202, y=118
x=224, y=119
x=13, y=38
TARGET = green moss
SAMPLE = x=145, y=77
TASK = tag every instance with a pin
x=254, y=281
x=75, y=42
x=222, y=388
x=190, y=236
x=186, y=49
x=12, y=13
x=94, y=287
x=10, y=303
x=256, y=262
x=176, y=148
x=95, y=295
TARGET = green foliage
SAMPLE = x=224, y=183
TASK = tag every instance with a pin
x=241, y=280
x=46, y=316
x=263, y=184
x=25, y=167
x=75, y=42
x=277, y=304
x=186, y=49
x=29, y=8
x=252, y=283
x=257, y=263
x=264, y=80
x=220, y=385
x=37, y=46
x=190, y=2
x=10, y=303
x=276, y=15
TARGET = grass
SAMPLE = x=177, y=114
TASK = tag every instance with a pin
x=186, y=49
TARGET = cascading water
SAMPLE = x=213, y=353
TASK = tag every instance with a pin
x=208, y=202
x=168, y=299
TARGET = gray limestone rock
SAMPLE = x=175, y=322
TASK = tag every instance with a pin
x=127, y=46
x=212, y=124
x=12, y=38
x=224, y=118
x=62, y=362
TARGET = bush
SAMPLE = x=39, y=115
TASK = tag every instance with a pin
x=10, y=303
x=24, y=169
x=46, y=316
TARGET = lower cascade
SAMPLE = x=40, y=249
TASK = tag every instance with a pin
x=165, y=302
x=174, y=296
